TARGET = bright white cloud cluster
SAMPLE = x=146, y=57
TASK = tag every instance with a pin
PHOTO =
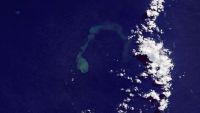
x=155, y=7
x=159, y=64
x=158, y=68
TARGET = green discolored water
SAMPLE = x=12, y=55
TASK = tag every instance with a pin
x=82, y=63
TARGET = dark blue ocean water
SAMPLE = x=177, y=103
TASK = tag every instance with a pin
x=39, y=42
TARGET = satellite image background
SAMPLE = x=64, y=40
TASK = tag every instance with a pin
x=40, y=41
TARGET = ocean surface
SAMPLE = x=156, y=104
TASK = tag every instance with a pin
x=40, y=41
